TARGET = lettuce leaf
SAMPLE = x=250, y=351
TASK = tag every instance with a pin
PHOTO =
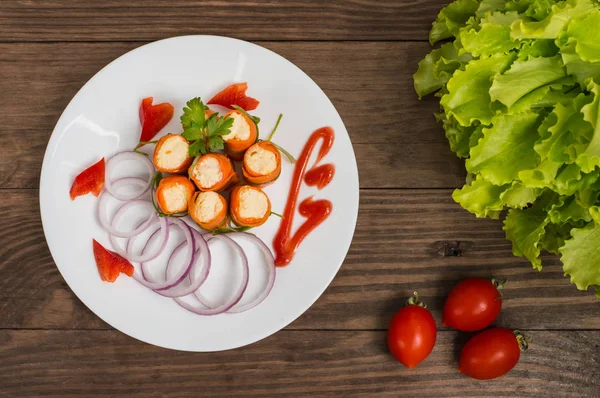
x=437, y=68
x=553, y=24
x=525, y=228
x=491, y=36
x=451, y=18
x=590, y=158
x=581, y=258
x=584, y=34
x=506, y=148
x=525, y=76
x=481, y=198
x=468, y=98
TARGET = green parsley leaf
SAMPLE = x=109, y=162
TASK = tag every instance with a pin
x=216, y=143
x=219, y=127
x=205, y=134
x=193, y=119
x=196, y=148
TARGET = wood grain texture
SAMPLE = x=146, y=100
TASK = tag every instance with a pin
x=109, y=363
x=396, y=139
x=399, y=246
x=138, y=20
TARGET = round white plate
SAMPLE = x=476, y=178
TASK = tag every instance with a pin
x=102, y=119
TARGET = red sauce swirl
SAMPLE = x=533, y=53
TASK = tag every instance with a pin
x=315, y=211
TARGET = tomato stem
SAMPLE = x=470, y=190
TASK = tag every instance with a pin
x=414, y=300
x=522, y=339
x=499, y=285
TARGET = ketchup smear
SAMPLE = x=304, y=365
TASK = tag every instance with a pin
x=315, y=211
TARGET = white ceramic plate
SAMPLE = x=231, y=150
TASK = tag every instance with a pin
x=102, y=119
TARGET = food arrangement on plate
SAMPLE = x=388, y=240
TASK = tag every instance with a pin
x=519, y=88
x=214, y=171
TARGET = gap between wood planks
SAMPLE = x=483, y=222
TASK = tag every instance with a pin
x=286, y=330
x=251, y=41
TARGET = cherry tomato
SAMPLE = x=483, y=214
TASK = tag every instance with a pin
x=411, y=334
x=491, y=353
x=472, y=305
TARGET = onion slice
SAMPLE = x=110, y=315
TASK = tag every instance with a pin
x=122, y=157
x=196, y=278
x=189, y=260
x=110, y=226
x=145, y=255
x=269, y=263
x=238, y=294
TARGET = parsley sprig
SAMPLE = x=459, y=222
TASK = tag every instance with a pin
x=205, y=134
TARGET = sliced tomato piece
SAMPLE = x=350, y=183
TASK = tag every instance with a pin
x=235, y=95
x=110, y=264
x=154, y=118
x=90, y=180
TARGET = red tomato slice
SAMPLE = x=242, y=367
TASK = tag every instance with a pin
x=110, y=264
x=154, y=118
x=90, y=180
x=235, y=95
x=411, y=335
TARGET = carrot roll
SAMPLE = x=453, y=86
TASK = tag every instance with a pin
x=250, y=206
x=173, y=194
x=171, y=154
x=212, y=172
x=262, y=163
x=209, y=210
x=242, y=135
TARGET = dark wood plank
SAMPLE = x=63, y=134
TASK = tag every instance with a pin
x=56, y=20
x=398, y=248
x=397, y=141
x=93, y=363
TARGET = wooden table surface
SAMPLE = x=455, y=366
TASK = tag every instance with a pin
x=362, y=53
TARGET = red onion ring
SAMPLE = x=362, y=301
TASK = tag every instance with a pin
x=196, y=279
x=121, y=157
x=143, y=256
x=110, y=226
x=238, y=294
x=270, y=264
x=189, y=260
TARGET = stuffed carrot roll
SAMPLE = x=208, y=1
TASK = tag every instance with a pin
x=262, y=163
x=209, y=210
x=171, y=154
x=250, y=206
x=174, y=193
x=212, y=172
x=242, y=135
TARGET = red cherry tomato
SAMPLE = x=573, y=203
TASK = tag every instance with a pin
x=491, y=353
x=411, y=334
x=472, y=305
